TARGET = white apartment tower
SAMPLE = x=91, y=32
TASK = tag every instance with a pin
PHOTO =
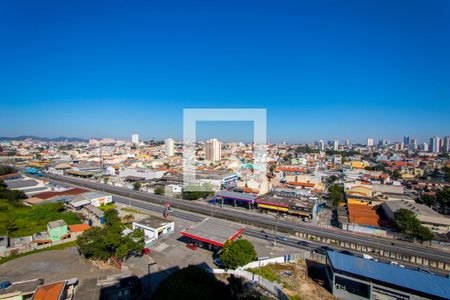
x=213, y=151
x=369, y=142
x=321, y=145
x=335, y=145
x=169, y=146
x=135, y=138
x=435, y=144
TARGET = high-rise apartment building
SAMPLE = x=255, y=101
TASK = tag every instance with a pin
x=213, y=150
x=169, y=146
x=446, y=144
x=321, y=145
x=369, y=142
x=135, y=138
x=335, y=145
x=435, y=144
x=406, y=140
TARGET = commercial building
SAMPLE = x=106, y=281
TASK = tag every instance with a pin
x=213, y=232
x=97, y=199
x=291, y=204
x=234, y=198
x=355, y=278
x=213, y=150
x=169, y=146
x=154, y=228
x=427, y=216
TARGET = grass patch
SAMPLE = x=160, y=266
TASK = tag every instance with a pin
x=19, y=220
x=107, y=206
x=267, y=272
x=132, y=210
x=56, y=247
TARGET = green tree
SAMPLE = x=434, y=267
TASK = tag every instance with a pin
x=111, y=217
x=336, y=194
x=331, y=179
x=396, y=175
x=7, y=170
x=443, y=198
x=423, y=233
x=137, y=186
x=91, y=244
x=159, y=191
x=238, y=253
x=407, y=222
x=428, y=200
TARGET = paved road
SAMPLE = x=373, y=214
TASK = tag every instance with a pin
x=262, y=234
x=404, y=248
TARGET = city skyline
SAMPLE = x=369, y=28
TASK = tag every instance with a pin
x=319, y=70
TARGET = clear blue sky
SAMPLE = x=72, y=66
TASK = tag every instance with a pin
x=323, y=69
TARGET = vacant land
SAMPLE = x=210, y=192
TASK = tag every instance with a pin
x=295, y=281
x=17, y=220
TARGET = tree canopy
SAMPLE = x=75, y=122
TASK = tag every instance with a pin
x=238, y=253
x=194, y=192
x=137, y=186
x=159, y=191
x=407, y=222
x=336, y=194
x=101, y=243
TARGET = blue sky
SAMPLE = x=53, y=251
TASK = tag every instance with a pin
x=322, y=69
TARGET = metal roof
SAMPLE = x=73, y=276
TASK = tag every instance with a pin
x=236, y=195
x=402, y=277
x=213, y=231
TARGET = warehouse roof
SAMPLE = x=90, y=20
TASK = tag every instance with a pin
x=213, y=231
x=433, y=285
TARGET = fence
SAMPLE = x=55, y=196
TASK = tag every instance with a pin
x=276, y=260
x=271, y=287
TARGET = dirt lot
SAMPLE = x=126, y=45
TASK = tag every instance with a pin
x=295, y=280
x=52, y=266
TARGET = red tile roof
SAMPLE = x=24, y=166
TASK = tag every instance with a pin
x=303, y=184
x=50, y=291
x=78, y=227
x=71, y=192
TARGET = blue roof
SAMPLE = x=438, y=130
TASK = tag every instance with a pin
x=402, y=277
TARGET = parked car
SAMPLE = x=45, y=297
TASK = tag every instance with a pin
x=219, y=263
x=192, y=246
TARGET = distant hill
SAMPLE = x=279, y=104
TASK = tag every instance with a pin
x=44, y=139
